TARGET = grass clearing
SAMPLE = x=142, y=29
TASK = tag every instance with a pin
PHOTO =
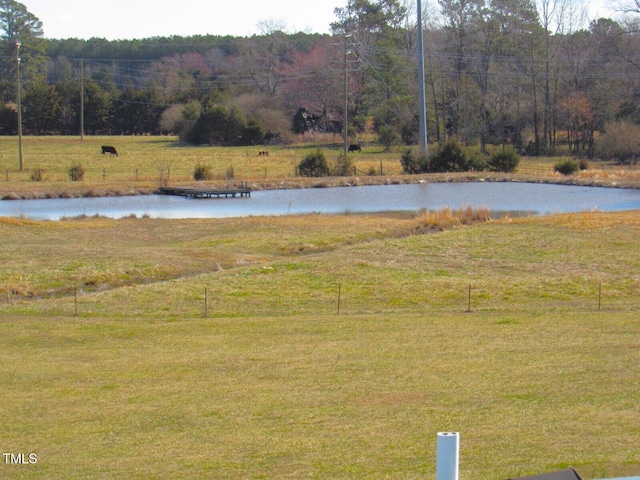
x=274, y=384
x=144, y=163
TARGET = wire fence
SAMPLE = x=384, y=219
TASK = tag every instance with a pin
x=41, y=178
x=201, y=299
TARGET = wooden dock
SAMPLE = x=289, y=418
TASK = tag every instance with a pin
x=192, y=192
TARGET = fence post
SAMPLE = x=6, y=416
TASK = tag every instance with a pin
x=339, y=295
x=469, y=299
x=206, y=303
x=75, y=301
x=599, y=295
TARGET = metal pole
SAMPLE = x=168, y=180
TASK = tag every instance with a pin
x=81, y=99
x=18, y=44
x=422, y=105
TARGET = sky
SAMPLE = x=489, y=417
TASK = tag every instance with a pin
x=130, y=19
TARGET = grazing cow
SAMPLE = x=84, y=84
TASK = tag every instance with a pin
x=110, y=150
x=355, y=147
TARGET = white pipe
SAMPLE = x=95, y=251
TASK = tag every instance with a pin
x=447, y=456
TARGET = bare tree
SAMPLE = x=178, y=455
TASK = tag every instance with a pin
x=271, y=25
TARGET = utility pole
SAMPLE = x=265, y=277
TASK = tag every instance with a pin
x=18, y=44
x=423, y=105
x=346, y=97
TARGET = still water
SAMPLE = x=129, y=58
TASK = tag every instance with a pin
x=498, y=197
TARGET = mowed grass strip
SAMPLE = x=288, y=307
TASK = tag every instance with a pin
x=320, y=396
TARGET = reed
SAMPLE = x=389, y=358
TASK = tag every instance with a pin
x=447, y=217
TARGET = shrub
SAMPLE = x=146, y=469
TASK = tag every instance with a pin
x=413, y=162
x=410, y=162
x=504, y=160
x=218, y=126
x=343, y=166
x=202, y=172
x=76, y=172
x=253, y=133
x=37, y=175
x=566, y=167
x=477, y=160
x=172, y=120
x=314, y=165
x=452, y=157
x=584, y=165
x=619, y=142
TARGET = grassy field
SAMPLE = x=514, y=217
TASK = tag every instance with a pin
x=113, y=365
x=144, y=163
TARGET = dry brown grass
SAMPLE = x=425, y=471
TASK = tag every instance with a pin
x=613, y=174
x=146, y=162
x=447, y=218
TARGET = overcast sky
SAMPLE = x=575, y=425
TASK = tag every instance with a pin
x=128, y=19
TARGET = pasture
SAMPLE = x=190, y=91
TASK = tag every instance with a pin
x=145, y=163
x=112, y=368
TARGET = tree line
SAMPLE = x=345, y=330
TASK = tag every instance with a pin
x=537, y=76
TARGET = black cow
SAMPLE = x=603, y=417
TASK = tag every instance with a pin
x=355, y=147
x=110, y=150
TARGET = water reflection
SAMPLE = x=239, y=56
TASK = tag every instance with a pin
x=530, y=197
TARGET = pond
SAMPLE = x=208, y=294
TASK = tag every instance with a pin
x=532, y=198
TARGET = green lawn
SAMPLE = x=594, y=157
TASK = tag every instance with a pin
x=273, y=383
x=319, y=396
